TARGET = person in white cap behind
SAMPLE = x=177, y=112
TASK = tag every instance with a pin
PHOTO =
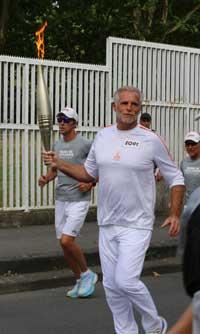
x=72, y=201
x=190, y=165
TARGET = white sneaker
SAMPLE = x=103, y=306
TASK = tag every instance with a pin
x=162, y=330
x=164, y=325
x=87, y=284
x=73, y=293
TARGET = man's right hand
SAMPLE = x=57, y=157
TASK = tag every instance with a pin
x=50, y=159
x=42, y=180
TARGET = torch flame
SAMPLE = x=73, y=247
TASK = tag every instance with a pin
x=40, y=40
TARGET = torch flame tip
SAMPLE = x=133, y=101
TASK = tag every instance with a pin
x=40, y=40
x=42, y=28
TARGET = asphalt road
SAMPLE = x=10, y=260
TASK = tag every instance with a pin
x=49, y=312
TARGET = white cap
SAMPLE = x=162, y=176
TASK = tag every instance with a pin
x=69, y=112
x=192, y=136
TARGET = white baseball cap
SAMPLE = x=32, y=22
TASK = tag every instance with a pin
x=69, y=112
x=192, y=136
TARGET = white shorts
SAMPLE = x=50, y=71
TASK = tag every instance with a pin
x=69, y=217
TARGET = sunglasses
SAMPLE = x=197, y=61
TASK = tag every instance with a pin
x=64, y=119
x=190, y=143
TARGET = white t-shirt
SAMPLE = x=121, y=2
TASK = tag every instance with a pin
x=124, y=162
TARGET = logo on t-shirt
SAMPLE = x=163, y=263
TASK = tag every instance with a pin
x=131, y=143
x=116, y=156
x=192, y=170
x=66, y=154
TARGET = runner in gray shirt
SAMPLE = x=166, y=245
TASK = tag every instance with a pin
x=190, y=166
x=72, y=202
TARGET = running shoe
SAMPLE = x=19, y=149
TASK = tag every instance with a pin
x=163, y=329
x=164, y=325
x=87, y=284
x=73, y=293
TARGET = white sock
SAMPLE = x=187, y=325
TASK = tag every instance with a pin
x=85, y=273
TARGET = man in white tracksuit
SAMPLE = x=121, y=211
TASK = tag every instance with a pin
x=123, y=157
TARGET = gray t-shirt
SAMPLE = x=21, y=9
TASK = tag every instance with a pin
x=75, y=151
x=191, y=172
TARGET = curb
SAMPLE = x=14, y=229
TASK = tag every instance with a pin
x=31, y=264
x=13, y=283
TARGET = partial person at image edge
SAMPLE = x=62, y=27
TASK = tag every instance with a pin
x=189, y=240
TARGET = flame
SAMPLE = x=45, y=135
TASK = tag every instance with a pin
x=40, y=40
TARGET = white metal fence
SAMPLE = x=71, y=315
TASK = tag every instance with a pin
x=168, y=76
x=84, y=87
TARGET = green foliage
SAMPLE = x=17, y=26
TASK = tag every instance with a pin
x=77, y=30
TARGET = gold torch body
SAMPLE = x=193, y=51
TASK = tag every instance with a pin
x=44, y=113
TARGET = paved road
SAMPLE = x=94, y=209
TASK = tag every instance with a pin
x=49, y=312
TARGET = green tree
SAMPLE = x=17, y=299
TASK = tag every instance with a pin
x=77, y=30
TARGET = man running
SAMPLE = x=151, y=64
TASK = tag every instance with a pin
x=72, y=202
x=123, y=158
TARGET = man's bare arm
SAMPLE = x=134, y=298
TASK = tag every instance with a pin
x=176, y=200
x=76, y=171
x=44, y=179
x=176, y=204
x=183, y=324
x=51, y=174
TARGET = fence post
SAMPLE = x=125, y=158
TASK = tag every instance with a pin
x=109, y=88
x=25, y=159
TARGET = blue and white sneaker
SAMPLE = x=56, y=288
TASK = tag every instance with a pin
x=87, y=284
x=73, y=293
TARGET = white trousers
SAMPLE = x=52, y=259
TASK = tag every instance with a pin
x=122, y=252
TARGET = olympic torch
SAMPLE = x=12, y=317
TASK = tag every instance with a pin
x=44, y=113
